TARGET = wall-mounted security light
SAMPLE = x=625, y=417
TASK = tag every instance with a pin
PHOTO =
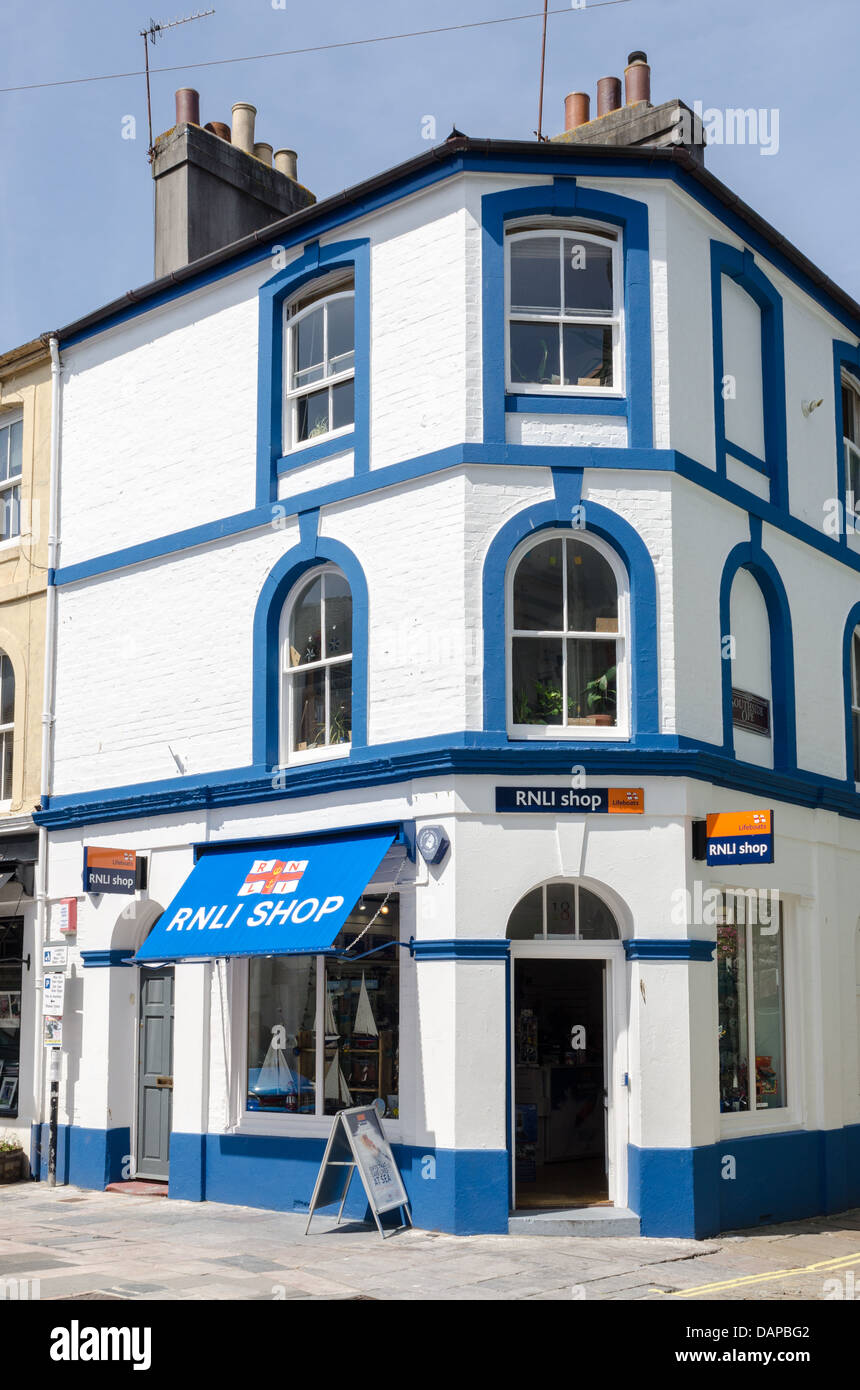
x=808, y=406
x=432, y=843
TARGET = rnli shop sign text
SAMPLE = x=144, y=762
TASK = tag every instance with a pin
x=584, y=800
x=275, y=882
x=740, y=837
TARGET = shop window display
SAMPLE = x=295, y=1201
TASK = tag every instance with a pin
x=751, y=988
x=345, y=1009
x=11, y=946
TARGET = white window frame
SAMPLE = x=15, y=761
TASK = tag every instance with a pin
x=7, y=731
x=272, y=1122
x=7, y=420
x=788, y=1116
x=329, y=291
x=288, y=674
x=573, y=936
x=574, y=733
x=855, y=706
x=598, y=234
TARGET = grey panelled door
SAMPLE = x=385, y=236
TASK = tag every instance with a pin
x=155, y=1075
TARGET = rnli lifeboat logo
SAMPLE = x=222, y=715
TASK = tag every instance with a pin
x=272, y=876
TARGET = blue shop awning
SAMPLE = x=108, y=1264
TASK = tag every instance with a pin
x=290, y=898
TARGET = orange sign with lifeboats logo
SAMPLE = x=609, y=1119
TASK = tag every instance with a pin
x=740, y=837
x=740, y=823
x=626, y=800
x=109, y=870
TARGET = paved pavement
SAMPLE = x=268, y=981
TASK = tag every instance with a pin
x=81, y=1244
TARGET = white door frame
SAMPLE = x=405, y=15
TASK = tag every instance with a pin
x=615, y=1014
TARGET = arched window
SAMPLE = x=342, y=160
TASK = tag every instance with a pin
x=855, y=700
x=7, y=726
x=564, y=294
x=316, y=665
x=567, y=622
x=752, y=696
x=320, y=362
x=562, y=910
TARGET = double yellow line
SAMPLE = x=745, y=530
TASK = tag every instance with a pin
x=748, y=1280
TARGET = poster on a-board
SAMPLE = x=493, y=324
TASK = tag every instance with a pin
x=357, y=1141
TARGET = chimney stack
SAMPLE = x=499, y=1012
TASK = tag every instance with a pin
x=637, y=122
x=214, y=186
x=608, y=95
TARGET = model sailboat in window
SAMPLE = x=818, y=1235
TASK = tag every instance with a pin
x=365, y=1023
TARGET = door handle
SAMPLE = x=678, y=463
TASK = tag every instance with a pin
x=164, y=1083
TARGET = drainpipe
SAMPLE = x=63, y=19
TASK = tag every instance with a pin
x=47, y=748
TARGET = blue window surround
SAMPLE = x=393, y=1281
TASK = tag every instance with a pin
x=845, y=357
x=853, y=621
x=740, y=266
x=749, y=555
x=564, y=198
x=313, y=550
x=629, y=546
x=314, y=261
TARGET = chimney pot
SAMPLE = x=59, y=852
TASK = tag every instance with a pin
x=608, y=95
x=263, y=152
x=577, y=109
x=244, y=116
x=220, y=129
x=187, y=106
x=286, y=163
x=637, y=78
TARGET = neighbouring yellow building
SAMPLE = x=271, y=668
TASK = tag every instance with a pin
x=25, y=454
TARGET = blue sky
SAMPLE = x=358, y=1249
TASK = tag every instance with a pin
x=76, y=227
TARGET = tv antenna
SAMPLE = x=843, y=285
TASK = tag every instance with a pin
x=539, y=132
x=149, y=36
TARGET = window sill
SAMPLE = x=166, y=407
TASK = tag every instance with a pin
x=312, y=449
x=751, y=1123
x=11, y=543
x=581, y=403
x=581, y=733
x=309, y=1126
x=315, y=755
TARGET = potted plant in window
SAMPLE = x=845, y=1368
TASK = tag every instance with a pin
x=11, y=1158
x=595, y=704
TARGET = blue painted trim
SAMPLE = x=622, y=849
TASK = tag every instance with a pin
x=851, y=623
x=101, y=959
x=642, y=948
x=845, y=357
x=456, y=455
x=565, y=199
x=631, y=549
x=776, y=1177
x=461, y=753
x=85, y=1156
x=459, y=948
x=312, y=453
x=525, y=404
x=750, y=556
x=314, y=261
x=312, y=551
x=463, y=1191
x=740, y=266
x=743, y=456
